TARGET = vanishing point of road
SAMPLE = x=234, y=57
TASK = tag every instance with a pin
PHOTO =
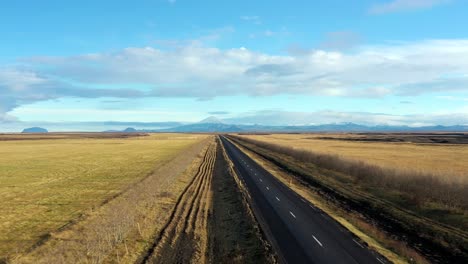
x=298, y=231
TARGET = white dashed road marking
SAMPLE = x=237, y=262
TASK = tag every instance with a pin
x=277, y=198
x=359, y=244
x=268, y=188
x=316, y=240
x=292, y=214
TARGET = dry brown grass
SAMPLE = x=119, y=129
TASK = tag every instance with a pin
x=47, y=184
x=42, y=136
x=123, y=229
x=448, y=162
x=417, y=186
x=184, y=238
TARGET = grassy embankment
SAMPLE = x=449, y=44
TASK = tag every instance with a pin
x=235, y=235
x=412, y=204
x=46, y=185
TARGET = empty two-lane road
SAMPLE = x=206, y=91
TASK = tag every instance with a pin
x=299, y=232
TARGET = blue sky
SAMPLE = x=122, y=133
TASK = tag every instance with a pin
x=396, y=62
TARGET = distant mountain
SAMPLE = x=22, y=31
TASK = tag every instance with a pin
x=130, y=130
x=143, y=127
x=213, y=124
x=149, y=125
x=205, y=127
x=211, y=120
x=35, y=130
x=350, y=127
x=133, y=130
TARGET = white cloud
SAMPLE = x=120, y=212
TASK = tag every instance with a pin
x=6, y=118
x=20, y=86
x=363, y=118
x=254, y=19
x=19, y=80
x=194, y=70
x=404, y=5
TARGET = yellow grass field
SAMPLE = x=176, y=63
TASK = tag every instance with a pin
x=444, y=160
x=45, y=184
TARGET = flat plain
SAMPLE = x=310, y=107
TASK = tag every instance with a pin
x=123, y=197
x=45, y=183
x=448, y=161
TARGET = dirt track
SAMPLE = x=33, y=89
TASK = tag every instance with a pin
x=184, y=238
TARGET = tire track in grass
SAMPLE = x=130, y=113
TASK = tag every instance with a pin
x=183, y=238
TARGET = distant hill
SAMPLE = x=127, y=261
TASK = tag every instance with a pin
x=211, y=120
x=344, y=127
x=35, y=130
x=210, y=124
x=205, y=127
x=213, y=124
x=143, y=127
x=351, y=127
x=130, y=130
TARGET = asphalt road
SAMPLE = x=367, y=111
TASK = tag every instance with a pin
x=299, y=232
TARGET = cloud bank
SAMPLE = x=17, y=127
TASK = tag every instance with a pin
x=281, y=118
x=197, y=71
x=404, y=5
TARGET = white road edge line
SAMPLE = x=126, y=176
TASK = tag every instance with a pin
x=292, y=214
x=359, y=244
x=303, y=200
x=380, y=261
x=316, y=240
x=277, y=198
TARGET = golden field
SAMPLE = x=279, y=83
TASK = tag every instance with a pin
x=45, y=184
x=449, y=161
